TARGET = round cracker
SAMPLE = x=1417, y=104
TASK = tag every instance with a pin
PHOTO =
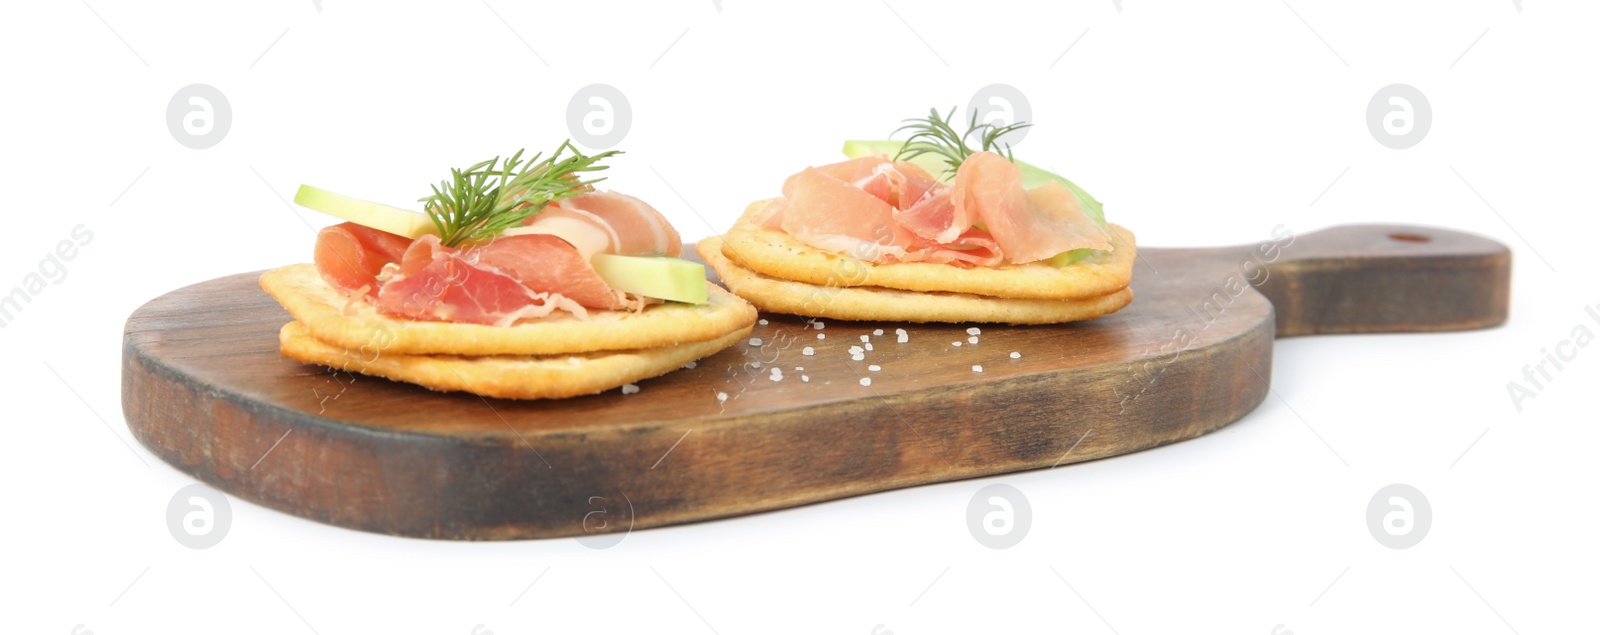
x=506, y=376
x=357, y=325
x=779, y=255
x=876, y=303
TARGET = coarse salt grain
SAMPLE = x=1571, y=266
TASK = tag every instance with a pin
x=805, y=378
x=866, y=338
x=755, y=364
x=755, y=341
x=877, y=331
x=869, y=346
x=874, y=368
x=974, y=331
x=955, y=343
x=856, y=350
x=818, y=324
x=1016, y=355
x=628, y=389
x=721, y=396
x=901, y=337
x=822, y=336
x=866, y=381
x=799, y=368
x=691, y=365
x=762, y=321
x=811, y=351
x=857, y=357
x=976, y=368
x=972, y=340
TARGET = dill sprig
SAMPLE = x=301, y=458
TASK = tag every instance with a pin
x=480, y=201
x=935, y=135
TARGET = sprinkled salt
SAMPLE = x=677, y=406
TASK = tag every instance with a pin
x=755, y=341
x=976, y=368
x=805, y=378
x=869, y=346
x=866, y=381
x=1016, y=355
x=972, y=340
x=955, y=343
x=691, y=365
x=901, y=336
x=628, y=389
x=762, y=321
x=721, y=396
x=974, y=331
x=755, y=364
x=775, y=377
x=865, y=338
x=877, y=331
x=857, y=350
x=811, y=351
x=818, y=324
x=857, y=357
x=822, y=336
x=874, y=368
x=799, y=368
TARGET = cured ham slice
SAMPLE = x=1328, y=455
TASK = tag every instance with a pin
x=607, y=222
x=351, y=256
x=1029, y=225
x=824, y=208
x=500, y=282
x=547, y=264
x=529, y=272
x=639, y=229
x=884, y=211
x=451, y=289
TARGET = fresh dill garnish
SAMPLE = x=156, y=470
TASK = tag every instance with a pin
x=935, y=135
x=480, y=201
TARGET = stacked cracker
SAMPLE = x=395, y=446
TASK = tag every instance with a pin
x=777, y=273
x=547, y=358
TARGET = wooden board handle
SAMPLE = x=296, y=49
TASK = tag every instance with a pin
x=1382, y=279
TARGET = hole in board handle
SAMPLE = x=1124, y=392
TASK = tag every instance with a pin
x=1410, y=238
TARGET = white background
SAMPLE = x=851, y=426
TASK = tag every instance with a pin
x=1197, y=123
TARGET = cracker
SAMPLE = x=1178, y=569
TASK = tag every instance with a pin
x=779, y=255
x=506, y=376
x=877, y=303
x=322, y=310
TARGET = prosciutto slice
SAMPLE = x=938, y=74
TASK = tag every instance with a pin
x=513, y=277
x=447, y=286
x=351, y=256
x=639, y=229
x=1029, y=225
x=884, y=211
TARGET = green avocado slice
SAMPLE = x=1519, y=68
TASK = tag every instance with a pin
x=662, y=277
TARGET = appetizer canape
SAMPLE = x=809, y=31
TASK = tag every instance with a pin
x=520, y=280
x=929, y=229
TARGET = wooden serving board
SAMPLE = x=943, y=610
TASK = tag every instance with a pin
x=205, y=389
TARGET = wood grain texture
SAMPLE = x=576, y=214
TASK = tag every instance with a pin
x=205, y=389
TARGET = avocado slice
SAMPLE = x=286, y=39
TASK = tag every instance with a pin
x=378, y=216
x=662, y=277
